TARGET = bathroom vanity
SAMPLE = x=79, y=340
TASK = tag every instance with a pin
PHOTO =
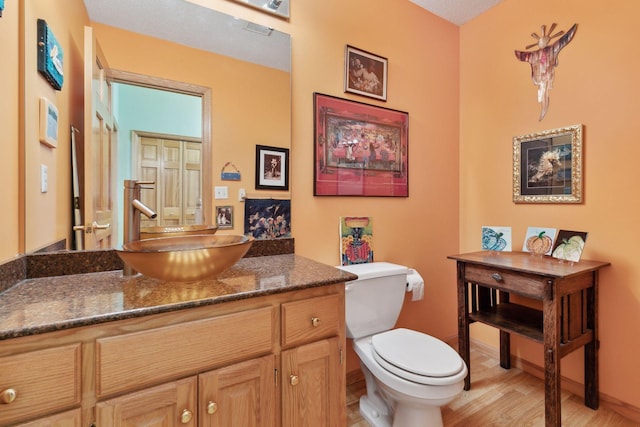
x=261, y=344
x=568, y=319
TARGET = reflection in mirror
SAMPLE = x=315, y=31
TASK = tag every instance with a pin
x=276, y=7
x=160, y=140
x=200, y=31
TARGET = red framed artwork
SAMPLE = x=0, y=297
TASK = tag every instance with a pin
x=360, y=149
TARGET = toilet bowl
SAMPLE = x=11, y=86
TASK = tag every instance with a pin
x=409, y=394
x=409, y=375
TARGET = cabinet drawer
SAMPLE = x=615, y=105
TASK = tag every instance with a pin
x=529, y=285
x=310, y=319
x=139, y=359
x=43, y=381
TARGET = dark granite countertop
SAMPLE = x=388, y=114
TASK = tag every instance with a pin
x=47, y=304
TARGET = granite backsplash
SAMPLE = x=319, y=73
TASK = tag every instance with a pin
x=63, y=263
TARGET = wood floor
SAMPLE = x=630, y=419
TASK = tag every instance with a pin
x=501, y=397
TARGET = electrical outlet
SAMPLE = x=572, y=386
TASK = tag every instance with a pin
x=44, y=185
x=221, y=193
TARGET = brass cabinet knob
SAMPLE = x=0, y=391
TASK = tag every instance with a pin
x=294, y=380
x=315, y=321
x=8, y=395
x=186, y=416
x=212, y=407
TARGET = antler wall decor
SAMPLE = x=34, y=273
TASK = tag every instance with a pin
x=544, y=60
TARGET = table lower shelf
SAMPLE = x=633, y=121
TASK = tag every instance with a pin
x=527, y=322
x=513, y=318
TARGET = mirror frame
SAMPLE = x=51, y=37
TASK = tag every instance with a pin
x=565, y=148
x=119, y=76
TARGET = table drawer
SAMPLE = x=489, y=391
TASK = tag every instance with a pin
x=138, y=359
x=529, y=285
x=39, y=382
x=310, y=319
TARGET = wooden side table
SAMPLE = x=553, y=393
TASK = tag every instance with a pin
x=568, y=320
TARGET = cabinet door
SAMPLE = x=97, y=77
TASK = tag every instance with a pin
x=65, y=419
x=240, y=395
x=170, y=404
x=313, y=385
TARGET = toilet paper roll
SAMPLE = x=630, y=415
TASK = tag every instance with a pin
x=415, y=285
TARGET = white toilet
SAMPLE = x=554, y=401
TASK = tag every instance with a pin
x=409, y=375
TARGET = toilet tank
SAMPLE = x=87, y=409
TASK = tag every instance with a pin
x=373, y=301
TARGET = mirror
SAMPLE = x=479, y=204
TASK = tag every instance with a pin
x=197, y=37
x=275, y=7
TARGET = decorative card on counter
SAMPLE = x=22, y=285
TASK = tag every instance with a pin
x=569, y=245
x=539, y=240
x=267, y=219
x=356, y=240
x=496, y=238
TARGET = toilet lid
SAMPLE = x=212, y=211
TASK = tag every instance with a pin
x=412, y=355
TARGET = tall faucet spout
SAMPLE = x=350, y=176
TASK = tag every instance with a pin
x=133, y=208
x=144, y=209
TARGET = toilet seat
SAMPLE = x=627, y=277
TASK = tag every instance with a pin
x=417, y=357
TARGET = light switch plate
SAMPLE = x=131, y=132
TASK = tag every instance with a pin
x=44, y=172
x=221, y=193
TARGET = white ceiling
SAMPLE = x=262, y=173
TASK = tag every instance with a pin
x=199, y=27
x=456, y=11
x=192, y=25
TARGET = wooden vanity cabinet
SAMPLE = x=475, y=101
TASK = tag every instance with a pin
x=243, y=394
x=40, y=382
x=71, y=418
x=169, y=404
x=313, y=372
x=218, y=365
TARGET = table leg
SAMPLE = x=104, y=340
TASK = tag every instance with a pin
x=505, y=338
x=591, y=376
x=505, y=350
x=551, y=332
x=463, y=323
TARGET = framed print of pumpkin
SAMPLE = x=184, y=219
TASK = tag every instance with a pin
x=539, y=240
x=569, y=245
x=496, y=239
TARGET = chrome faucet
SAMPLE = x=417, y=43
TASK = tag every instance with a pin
x=133, y=208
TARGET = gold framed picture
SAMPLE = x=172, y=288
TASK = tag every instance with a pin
x=547, y=166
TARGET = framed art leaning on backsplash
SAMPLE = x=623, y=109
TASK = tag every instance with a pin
x=547, y=166
x=360, y=149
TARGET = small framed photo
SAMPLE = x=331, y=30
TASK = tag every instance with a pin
x=272, y=168
x=224, y=217
x=365, y=73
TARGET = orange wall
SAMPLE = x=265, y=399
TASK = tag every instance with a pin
x=421, y=230
x=596, y=84
x=48, y=215
x=9, y=125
